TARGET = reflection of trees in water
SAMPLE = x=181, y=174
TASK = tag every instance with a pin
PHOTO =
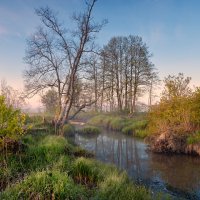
x=178, y=171
x=181, y=172
x=122, y=152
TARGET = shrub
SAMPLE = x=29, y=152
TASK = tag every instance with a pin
x=178, y=111
x=11, y=122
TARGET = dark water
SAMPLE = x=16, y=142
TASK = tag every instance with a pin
x=177, y=175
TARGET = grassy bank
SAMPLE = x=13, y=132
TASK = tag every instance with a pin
x=135, y=126
x=49, y=167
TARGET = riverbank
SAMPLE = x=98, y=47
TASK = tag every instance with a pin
x=137, y=126
x=49, y=167
x=174, y=143
x=133, y=126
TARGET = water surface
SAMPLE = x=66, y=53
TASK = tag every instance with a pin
x=177, y=175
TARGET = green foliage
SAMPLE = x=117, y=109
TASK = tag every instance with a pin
x=178, y=110
x=194, y=138
x=68, y=129
x=176, y=86
x=47, y=184
x=11, y=122
x=90, y=130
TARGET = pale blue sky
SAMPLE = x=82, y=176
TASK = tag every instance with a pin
x=171, y=29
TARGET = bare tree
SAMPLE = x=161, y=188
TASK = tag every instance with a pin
x=12, y=96
x=56, y=55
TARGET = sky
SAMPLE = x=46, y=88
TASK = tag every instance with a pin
x=170, y=28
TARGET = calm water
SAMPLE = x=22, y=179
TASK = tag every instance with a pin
x=178, y=175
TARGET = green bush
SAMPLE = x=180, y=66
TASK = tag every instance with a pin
x=11, y=122
x=50, y=184
x=178, y=111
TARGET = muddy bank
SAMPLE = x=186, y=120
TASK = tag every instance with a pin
x=172, y=143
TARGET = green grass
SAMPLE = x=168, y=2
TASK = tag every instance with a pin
x=46, y=184
x=117, y=123
x=141, y=133
x=194, y=138
x=131, y=126
x=118, y=187
x=90, y=130
x=51, y=168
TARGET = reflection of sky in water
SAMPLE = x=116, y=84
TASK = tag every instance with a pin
x=159, y=172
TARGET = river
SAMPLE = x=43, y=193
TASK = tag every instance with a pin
x=176, y=175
